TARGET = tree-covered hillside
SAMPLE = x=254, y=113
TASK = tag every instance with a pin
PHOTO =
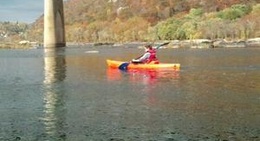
x=150, y=20
x=15, y=30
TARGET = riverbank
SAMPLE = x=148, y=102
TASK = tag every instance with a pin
x=219, y=43
x=13, y=45
x=196, y=43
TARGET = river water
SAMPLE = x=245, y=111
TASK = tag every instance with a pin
x=70, y=94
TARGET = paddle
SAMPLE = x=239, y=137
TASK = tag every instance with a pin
x=163, y=44
x=157, y=47
x=124, y=66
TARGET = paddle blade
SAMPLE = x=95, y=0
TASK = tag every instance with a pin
x=123, y=66
x=164, y=44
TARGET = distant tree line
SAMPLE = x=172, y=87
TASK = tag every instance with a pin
x=237, y=22
x=13, y=30
x=151, y=20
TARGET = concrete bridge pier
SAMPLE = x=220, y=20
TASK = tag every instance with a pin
x=54, y=29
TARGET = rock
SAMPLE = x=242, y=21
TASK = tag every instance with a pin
x=254, y=42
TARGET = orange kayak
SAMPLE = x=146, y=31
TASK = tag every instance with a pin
x=126, y=65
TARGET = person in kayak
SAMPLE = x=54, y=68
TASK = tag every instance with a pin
x=149, y=57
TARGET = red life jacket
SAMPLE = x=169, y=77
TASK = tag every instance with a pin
x=152, y=59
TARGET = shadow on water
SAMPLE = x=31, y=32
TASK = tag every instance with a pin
x=54, y=102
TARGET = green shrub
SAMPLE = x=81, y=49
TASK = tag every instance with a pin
x=234, y=12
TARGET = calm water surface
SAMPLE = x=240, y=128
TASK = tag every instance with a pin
x=70, y=94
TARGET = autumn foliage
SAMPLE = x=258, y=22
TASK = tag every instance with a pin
x=150, y=20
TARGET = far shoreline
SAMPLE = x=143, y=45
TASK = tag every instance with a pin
x=195, y=43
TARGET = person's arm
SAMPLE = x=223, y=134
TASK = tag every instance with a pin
x=142, y=58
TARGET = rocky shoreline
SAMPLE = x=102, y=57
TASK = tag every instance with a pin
x=221, y=43
x=196, y=43
x=12, y=45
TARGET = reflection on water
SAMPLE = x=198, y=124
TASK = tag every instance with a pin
x=148, y=80
x=54, y=111
x=54, y=66
x=145, y=76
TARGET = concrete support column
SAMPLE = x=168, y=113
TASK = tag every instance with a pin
x=54, y=29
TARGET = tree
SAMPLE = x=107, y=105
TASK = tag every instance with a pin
x=236, y=11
